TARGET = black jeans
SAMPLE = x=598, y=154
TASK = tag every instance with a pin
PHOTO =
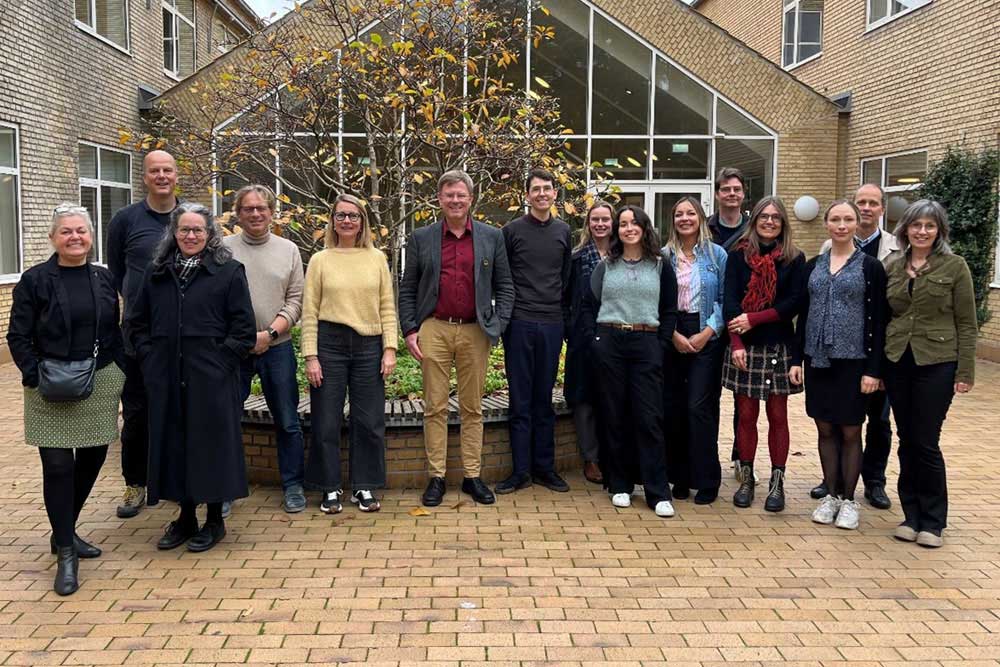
x=135, y=427
x=630, y=399
x=352, y=362
x=68, y=475
x=692, y=389
x=878, y=439
x=920, y=398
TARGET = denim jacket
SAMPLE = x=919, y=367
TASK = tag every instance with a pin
x=712, y=271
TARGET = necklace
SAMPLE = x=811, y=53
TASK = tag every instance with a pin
x=632, y=266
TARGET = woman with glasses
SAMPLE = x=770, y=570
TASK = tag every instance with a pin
x=192, y=325
x=763, y=289
x=930, y=344
x=349, y=338
x=66, y=310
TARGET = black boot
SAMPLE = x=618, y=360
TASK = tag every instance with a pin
x=67, y=571
x=775, y=501
x=744, y=495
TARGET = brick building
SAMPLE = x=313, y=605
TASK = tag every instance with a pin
x=913, y=77
x=64, y=97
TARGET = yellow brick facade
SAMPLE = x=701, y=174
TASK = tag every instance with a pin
x=923, y=81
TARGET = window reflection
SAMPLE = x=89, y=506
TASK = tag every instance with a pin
x=623, y=159
x=755, y=158
x=680, y=159
x=621, y=81
x=559, y=65
x=682, y=105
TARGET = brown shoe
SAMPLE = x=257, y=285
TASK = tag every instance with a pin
x=592, y=472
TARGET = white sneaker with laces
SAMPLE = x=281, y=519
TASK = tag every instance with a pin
x=849, y=515
x=664, y=508
x=621, y=500
x=827, y=510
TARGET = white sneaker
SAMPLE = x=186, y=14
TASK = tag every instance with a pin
x=621, y=500
x=849, y=516
x=827, y=510
x=664, y=508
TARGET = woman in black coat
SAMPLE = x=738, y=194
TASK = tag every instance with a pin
x=192, y=325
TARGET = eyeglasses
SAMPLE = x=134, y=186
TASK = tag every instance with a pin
x=773, y=217
x=340, y=216
x=254, y=209
x=198, y=232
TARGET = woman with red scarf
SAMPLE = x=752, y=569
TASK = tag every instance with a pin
x=763, y=288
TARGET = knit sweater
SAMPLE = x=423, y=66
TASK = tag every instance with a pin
x=353, y=287
x=274, y=272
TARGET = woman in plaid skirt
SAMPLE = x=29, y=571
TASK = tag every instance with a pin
x=763, y=290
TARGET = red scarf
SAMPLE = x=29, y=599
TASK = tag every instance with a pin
x=763, y=279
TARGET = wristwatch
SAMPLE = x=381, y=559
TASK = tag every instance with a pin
x=272, y=333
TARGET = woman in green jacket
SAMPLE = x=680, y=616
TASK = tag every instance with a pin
x=931, y=351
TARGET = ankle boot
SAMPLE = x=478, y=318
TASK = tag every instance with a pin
x=775, y=501
x=744, y=495
x=67, y=571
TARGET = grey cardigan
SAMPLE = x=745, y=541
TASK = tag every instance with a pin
x=418, y=289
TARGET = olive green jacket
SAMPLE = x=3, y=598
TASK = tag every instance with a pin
x=938, y=321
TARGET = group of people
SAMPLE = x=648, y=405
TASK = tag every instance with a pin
x=653, y=335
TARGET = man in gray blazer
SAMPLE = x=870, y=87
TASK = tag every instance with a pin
x=455, y=299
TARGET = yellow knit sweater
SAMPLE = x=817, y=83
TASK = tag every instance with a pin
x=350, y=286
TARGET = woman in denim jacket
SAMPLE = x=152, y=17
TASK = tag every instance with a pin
x=693, y=365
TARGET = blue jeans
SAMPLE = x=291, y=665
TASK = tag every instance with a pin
x=276, y=368
x=531, y=355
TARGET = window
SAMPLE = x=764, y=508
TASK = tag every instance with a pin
x=224, y=37
x=105, y=187
x=900, y=176
x=883, y=11
x=178, y=37
x=107, y=19
x=803, y=31
x=10, y=218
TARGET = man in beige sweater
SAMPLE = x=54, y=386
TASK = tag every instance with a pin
x=274, y=271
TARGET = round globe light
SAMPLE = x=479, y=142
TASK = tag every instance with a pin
x=895, y=207
x=806, y=208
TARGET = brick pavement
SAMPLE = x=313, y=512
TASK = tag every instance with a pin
x=537, y=578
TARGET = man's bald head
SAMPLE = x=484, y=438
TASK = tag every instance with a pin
x=159, y=173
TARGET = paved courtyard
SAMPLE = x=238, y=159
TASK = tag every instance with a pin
x=537, y=578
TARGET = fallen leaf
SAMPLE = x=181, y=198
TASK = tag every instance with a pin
x=460, y=503
x=419, y=511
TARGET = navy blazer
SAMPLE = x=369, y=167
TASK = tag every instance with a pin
x=418, y=289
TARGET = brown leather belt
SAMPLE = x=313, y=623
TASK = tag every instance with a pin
x=629, y=327
x=455, y=320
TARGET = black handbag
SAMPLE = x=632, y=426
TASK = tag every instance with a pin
x=62, y=381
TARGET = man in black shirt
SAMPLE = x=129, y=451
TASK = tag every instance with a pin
x=729, y=222
x=134, y=232
x=538, y=249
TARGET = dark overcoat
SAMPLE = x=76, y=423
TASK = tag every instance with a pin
x=190, y=345
x=577, y=380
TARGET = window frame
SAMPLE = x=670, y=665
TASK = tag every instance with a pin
x=794, y=6
x=890, y=17
x=7, y=278
x=177, y=16
x=91, y=30
x=891, y=189
x=97, y=184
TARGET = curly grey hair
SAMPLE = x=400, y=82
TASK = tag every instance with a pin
x=924, y=209
x=214, y=248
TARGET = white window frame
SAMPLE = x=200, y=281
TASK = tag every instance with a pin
x=8, y=278
x=872, y=25
x=890, y=189
x=176, y=17
x=92, y=29
x=793, y=6
x=97, y=183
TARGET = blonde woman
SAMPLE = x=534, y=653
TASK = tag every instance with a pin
x=349, y=343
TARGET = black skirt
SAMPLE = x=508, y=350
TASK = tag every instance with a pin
x=834, y=394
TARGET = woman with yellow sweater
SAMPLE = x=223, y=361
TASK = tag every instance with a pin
x=349, y=342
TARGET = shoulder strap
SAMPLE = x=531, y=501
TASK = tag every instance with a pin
x=97, y=310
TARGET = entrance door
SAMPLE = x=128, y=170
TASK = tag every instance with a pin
x=657, y=199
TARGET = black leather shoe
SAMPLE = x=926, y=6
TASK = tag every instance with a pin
x=744, y=494
x=206, y=538
x=706, y=496
x=876, y=496
x=67, y=571
x=819, y=491
x=176, y=534
x=775, y=501
x=513, y=483
x=681, y=492
x=552, y=481
x=84, y=549
x=480, y=492
x=434, y=492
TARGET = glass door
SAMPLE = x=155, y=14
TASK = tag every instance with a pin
x=658, y=200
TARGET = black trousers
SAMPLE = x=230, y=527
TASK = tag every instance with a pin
x=135, y=427
x=920, y=397
x=692, y=389
x=630, y=400
x=878, y=439
x=68, y=475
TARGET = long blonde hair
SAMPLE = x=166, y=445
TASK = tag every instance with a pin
x=364, y=238
x=585, y=236
x=752, y=238
x=704, y=234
